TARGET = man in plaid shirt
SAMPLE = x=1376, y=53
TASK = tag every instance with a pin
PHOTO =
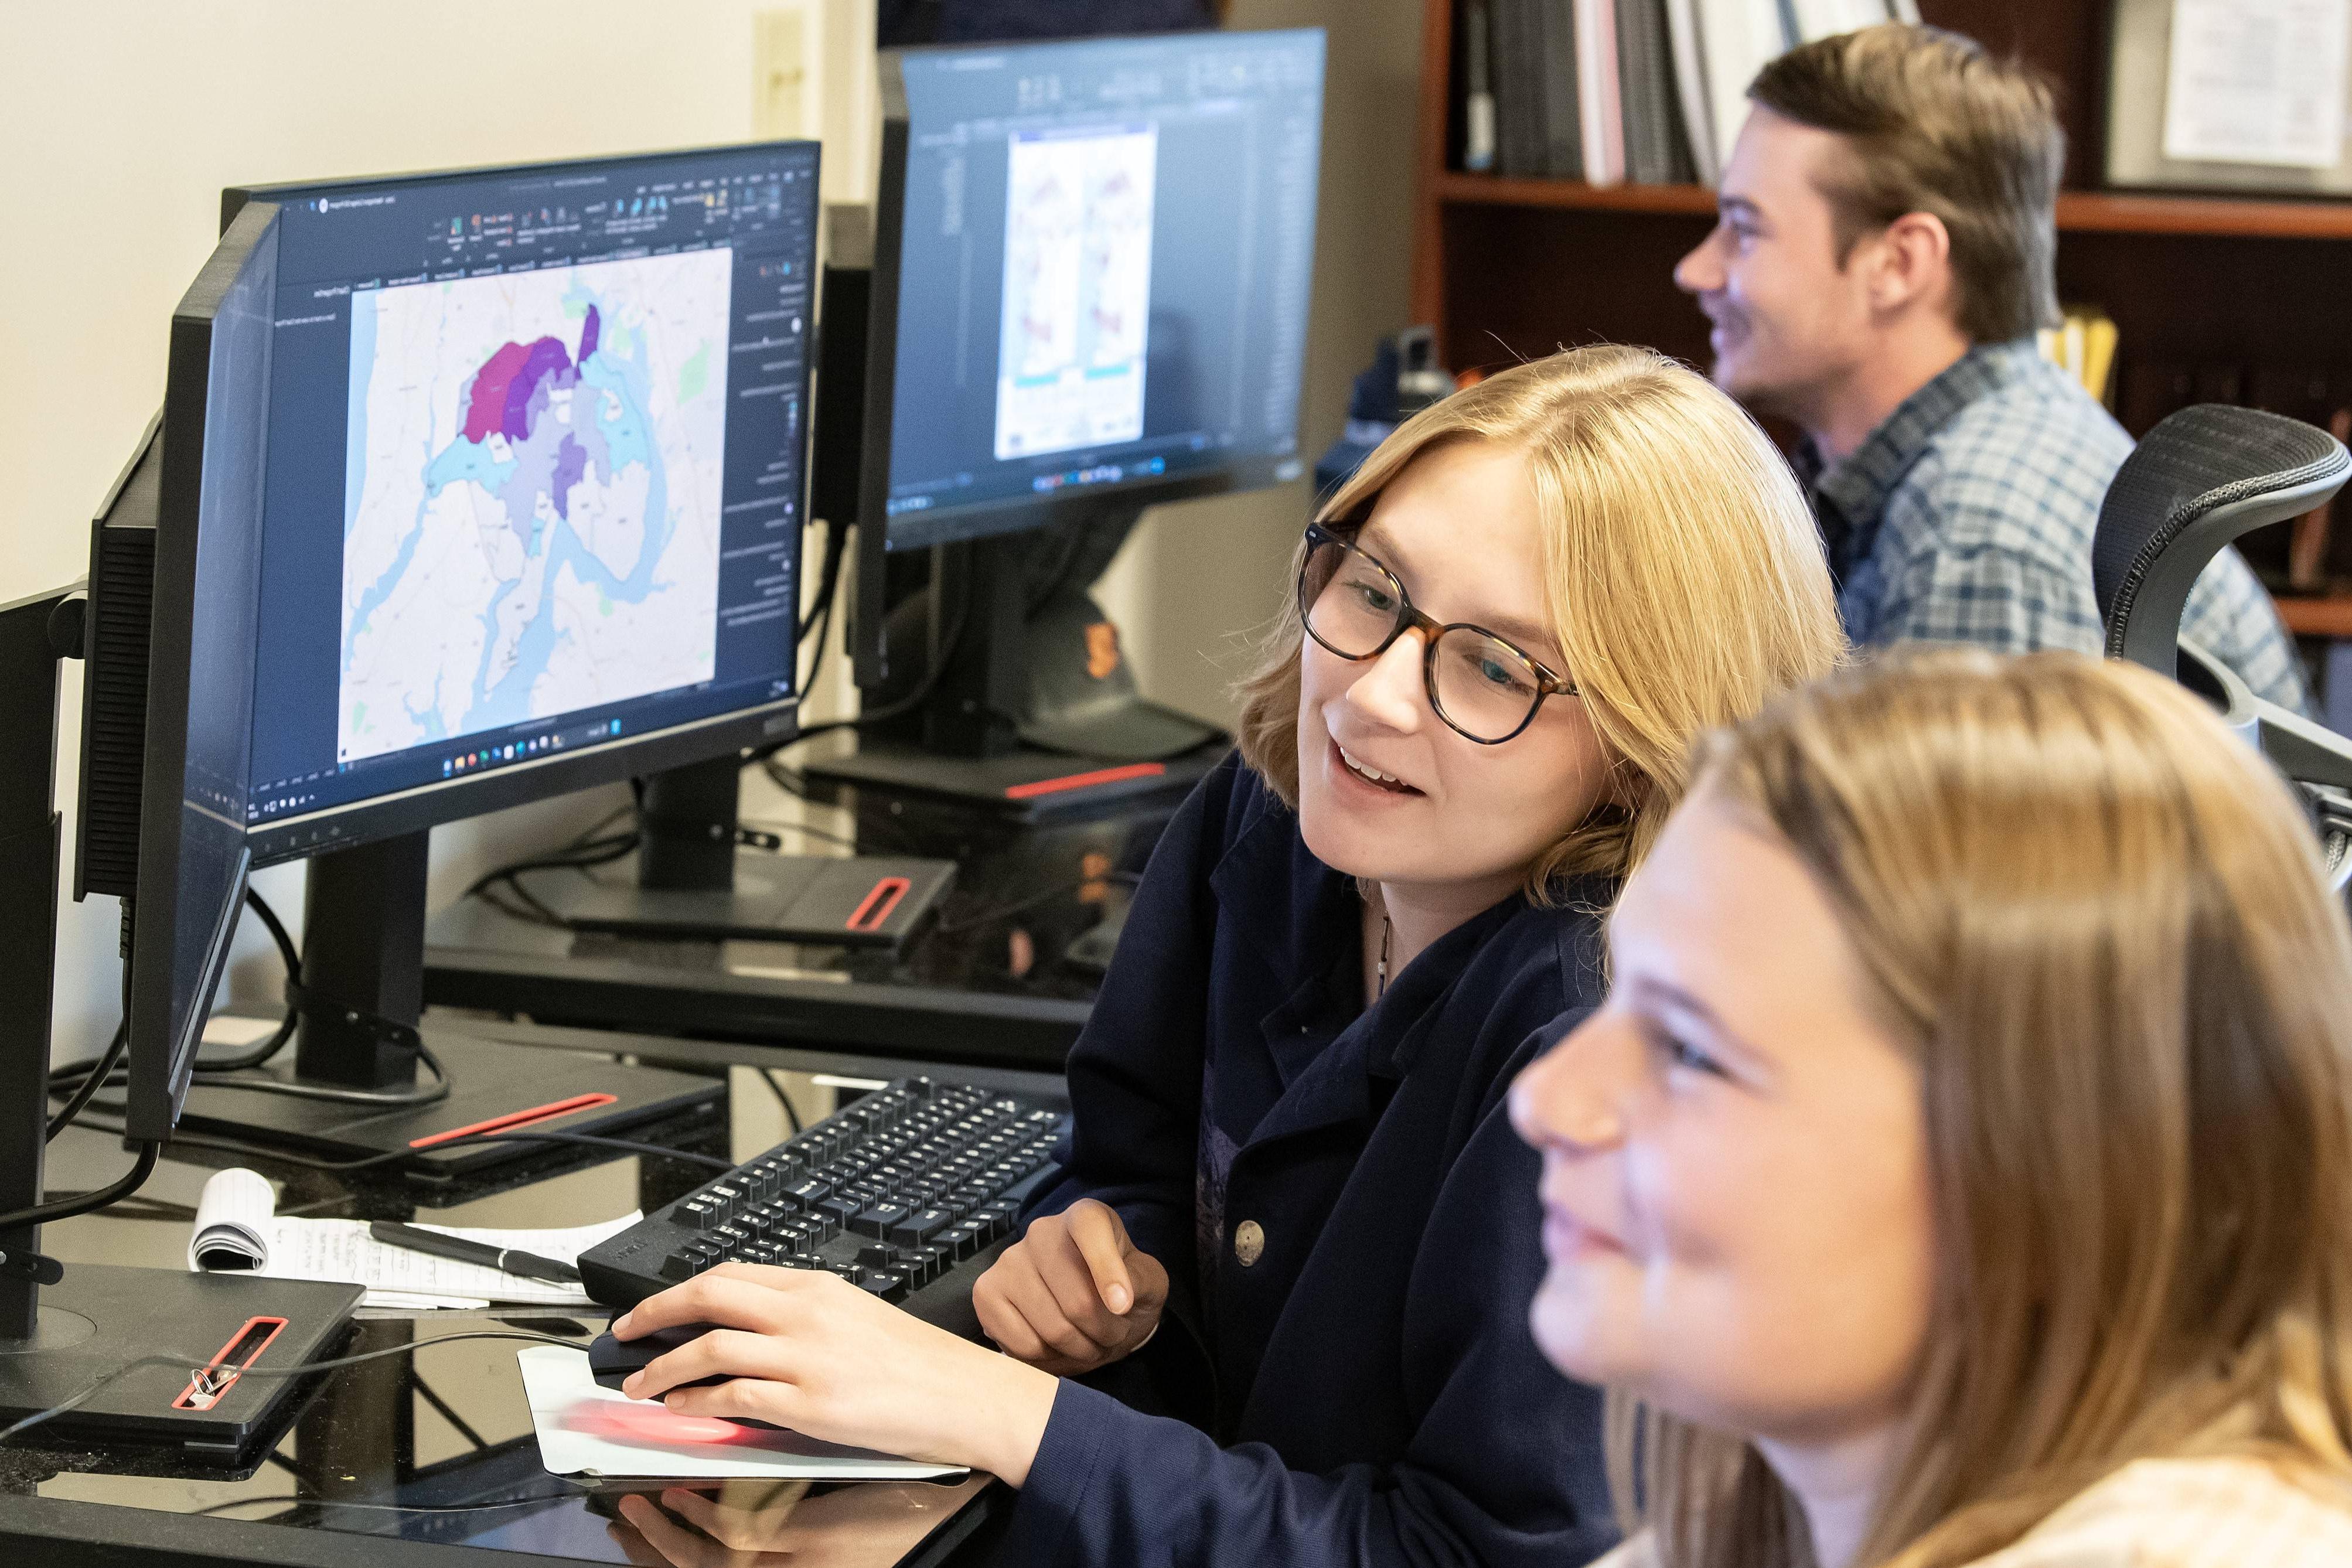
x=1884, y=252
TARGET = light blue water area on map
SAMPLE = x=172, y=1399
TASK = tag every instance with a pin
x=617, y=367
x=462, y=460
x=427, y=717
x=355, y=423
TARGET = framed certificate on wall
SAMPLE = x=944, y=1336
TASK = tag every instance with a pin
x=2240, y=96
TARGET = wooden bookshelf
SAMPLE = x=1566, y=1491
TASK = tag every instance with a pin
x=2326, y=616
x=2079, y=212
x=2252, y=298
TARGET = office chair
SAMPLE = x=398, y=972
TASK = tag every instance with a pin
x=2199, y=480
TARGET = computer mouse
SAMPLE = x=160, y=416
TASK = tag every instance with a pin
x=612, y=1360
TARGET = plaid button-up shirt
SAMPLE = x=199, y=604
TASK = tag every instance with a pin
x=1968, y=515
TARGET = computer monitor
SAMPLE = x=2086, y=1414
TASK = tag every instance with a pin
x=1091, y=272
x=501, y=495
x=72, y=1335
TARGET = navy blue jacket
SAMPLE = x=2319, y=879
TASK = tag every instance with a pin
x=1366, y=1390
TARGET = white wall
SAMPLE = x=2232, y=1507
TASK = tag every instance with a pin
x=121, y=120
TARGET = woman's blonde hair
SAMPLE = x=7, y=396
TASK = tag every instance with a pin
x=1683, y=573
x=2101, y=922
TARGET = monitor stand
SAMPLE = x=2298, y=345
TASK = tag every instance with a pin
x=360, y=995
x=1034, y=712
x=88, y=1321
x=692, y=883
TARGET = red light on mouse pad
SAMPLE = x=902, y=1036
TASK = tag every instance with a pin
x=211, y=1383
x=875, y=909
x=1085, y=781
x=642, y=1421
x=531, y=1118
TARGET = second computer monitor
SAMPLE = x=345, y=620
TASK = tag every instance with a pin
x=1092, y=270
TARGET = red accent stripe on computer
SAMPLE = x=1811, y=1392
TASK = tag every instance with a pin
x=535, y=1115
x=210, y=1387
x=875, y=909
x=1085, y=781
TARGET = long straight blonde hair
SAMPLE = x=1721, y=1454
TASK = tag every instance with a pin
x=1682, y=573
x=2101, y=922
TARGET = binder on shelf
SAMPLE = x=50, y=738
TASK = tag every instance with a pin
x=1737, y=39
x=1564, y=155
x=1479, y=90
x=1690, y=90
x=1519, y=91
x=1828, y=18
x=1600, y=110
x=1657, y=151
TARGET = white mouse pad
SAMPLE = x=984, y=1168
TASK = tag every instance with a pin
x=587, y=1429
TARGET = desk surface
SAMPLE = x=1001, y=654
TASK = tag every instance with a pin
x=430, y=1459
x=992, y=981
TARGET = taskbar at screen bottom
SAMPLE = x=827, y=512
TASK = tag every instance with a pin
x=538, y=776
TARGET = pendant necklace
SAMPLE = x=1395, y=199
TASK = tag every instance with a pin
x=1380, y=975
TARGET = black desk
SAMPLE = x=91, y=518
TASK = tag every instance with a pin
x=390, y=1463
x=992, y=981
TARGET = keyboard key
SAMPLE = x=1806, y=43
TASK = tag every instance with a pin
x=838, y=1211
x=919, y=1228
x=878, y=1220
x=695, y=1214
x=679, y=1267
x=887, y=1283
x=809, y=1192
x=964, y=1239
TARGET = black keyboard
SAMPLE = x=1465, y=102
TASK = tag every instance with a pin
x=907, y=1192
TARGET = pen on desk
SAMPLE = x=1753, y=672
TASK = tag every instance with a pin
x=505, y=1260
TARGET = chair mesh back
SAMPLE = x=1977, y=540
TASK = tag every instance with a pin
x=2192, y=464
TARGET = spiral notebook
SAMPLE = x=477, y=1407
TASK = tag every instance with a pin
x=239, y=1230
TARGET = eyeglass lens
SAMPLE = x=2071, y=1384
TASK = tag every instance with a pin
x=1482, y=686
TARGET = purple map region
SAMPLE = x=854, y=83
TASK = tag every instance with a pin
x=507, y=396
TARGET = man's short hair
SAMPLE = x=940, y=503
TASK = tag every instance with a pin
x=1935, y=124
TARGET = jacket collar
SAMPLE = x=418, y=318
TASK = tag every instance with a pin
x=1300, y=916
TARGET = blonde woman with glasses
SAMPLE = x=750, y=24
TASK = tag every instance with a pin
x=1293, y=1234
x=1961, y=1171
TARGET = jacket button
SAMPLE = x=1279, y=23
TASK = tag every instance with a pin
x=1249, y=1241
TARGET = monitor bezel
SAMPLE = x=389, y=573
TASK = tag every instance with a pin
x=156, y=1088
x=437, y=801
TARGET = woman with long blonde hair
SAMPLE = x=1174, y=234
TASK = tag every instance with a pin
x=1292, y=1213
x=1961, y=1171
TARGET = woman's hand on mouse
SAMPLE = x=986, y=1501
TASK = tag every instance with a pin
x=1074, y=1293
x=808, y=1349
